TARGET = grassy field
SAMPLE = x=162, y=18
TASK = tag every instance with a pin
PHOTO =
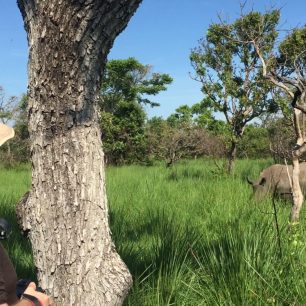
x=190, y=236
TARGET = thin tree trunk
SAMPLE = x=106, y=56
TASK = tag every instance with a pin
x=297, y=194
x=9, y=155
x=232, y=157
x=66, y=211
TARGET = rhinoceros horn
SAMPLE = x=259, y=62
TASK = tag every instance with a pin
x=249, y=181
x=261, y=181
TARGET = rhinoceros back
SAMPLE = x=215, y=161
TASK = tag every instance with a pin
x=303, y=177
x=277, y=178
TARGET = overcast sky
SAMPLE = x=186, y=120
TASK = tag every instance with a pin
x=161, y=33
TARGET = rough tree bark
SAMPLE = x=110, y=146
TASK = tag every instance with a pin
x=66, y=211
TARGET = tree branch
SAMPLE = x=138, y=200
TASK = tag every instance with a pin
x=268, y=76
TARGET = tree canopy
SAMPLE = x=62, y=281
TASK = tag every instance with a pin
x=129, y=80
x=126, y=88
x=232, y=82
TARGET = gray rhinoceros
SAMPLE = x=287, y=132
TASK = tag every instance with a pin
x=274, y=179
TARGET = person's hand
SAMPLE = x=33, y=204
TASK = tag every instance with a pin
x=43, y=298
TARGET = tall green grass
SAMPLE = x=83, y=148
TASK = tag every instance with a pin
x=14, y=182
x=191, y=235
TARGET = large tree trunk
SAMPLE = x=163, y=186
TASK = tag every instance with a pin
x=66, y=211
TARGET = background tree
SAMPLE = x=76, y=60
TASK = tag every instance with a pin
x=126, y=88
x=19, y=150
x=8, y=107
x=180, y=136
x=255, y=142
x=231, y=81
x=168, y=140
x=183, y=116
x=123, y=134
x=8, y=113
x=66, y=211
x=281, y=138
x=280, y=128
x=286, y=69
x=20, y=143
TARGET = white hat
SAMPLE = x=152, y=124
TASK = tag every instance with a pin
x=6, y=133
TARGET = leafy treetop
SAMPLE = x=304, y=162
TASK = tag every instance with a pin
x=129, y=80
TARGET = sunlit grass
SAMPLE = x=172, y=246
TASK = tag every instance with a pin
x=13, y=184
x=191, y=235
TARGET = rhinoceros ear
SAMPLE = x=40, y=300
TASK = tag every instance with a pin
x=262, y=181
